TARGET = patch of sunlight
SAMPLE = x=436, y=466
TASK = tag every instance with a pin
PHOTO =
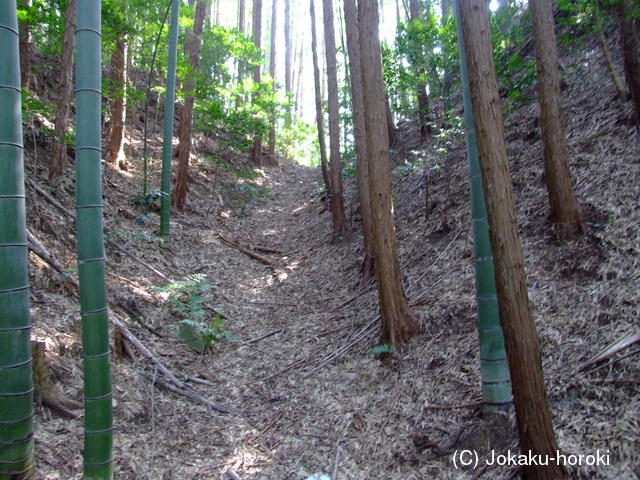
x=282, y=276
x=245, y=457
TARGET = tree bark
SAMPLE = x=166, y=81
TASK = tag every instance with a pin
x=629, y=37
x=59, y=154
x=115, y=153
x=421, y=93
x=318, y=91
x=256, y=153
x=192, y=50
x=272, y=71
x=521, y=339
x=287, y=60
x=340, y=224
x=398, y=320
x=25, y=48
x=360, y=134
x=565, y=213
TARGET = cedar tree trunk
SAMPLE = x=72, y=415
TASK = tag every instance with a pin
x=118, y=115
x=521, y=339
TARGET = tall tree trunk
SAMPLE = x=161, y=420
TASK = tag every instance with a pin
x=446, y=78
x=256, y=153
x=167, y=137
x=25, y=47
x=318, y=91
x=16, y=385
x=98, y=414
x=494, y=366
x=271, y=158
x=398, y=320
x=115, y=153
x=192, y=50
x=565, y=213
x=630, y=39
x=299, y=78
x=622, y=94
x=521, y=339
x=360, y=135
x=340, y=224
x=59, y=154
x=391, y=125
x=421, y=93
x=288, y=84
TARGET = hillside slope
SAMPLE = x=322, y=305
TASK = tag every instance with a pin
x=291, y=364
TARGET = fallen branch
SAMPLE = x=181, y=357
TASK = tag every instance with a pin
x=246, y=251
x=232, y=475
x=620, y=344
x=184, y=391
x=70, y=214
x=266, y=249
x=126, y=333
x=36, y=247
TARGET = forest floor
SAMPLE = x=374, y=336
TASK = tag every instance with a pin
x=303, y=394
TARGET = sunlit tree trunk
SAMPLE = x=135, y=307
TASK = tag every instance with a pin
x=360, y=134
x=98, y=417
x=167, y=137
x=565, y=213
x=288, y=74
x=340, y=224
x=59, y=154
x=398, y=320
x=256, y=154
x=16, y=385
x=630, y=39
x=318, y=95
x=271, y=158
x=192, y=50
x=115, y=153
x=521, y=339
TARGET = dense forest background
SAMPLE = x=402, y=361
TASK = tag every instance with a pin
x=248, y=341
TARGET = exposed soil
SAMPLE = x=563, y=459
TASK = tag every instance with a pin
x=303, y=394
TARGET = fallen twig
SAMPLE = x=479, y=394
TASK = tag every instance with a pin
x=453, y=407
x=232, y=475
x=266, y=335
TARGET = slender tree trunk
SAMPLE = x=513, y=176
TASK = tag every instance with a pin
x=622, y=94
x=115, y=153
x=300, y=77
x=398, y=320
x=192, y=50
x=25, y=48
x=391, y=125
x=340, y=224
x=272, y=71
x=423, y=99
x=360, y=135
x=630, y=38
x=167, y=137
x=98, y=410
x=256, y=154
x=446, y=80
x=318, y=91
x=59, y=154
x=565, y=213
x=287, y=60
x=521, y=339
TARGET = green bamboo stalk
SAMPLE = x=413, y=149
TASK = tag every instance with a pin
x=16, y=384
x=167, y=148
x=496, y=381
x=98, y=428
